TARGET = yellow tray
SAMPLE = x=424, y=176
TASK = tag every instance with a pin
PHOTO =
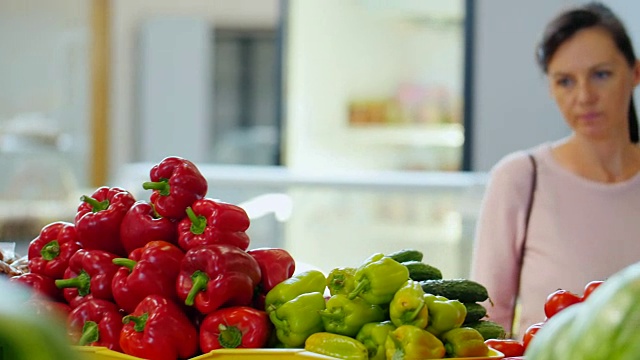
x=493, y=355
x=101, y=353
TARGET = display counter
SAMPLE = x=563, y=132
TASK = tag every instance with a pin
x=326, y=217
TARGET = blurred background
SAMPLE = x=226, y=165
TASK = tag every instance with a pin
x=344, y=127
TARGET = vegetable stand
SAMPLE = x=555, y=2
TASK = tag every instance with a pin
x=168, y=298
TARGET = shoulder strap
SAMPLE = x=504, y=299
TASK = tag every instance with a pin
x=534, y=180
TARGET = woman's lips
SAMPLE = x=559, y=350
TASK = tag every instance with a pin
x=590, y=116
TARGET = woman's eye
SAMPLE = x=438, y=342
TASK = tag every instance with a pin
x=564, y=82
x=602, y=74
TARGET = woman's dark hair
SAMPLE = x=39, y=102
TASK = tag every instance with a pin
x=593, y=14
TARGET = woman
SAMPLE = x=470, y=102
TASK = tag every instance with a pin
x=584, y=221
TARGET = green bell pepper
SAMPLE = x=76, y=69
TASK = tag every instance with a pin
x=378, y=279
x=464, y=342
x=411, y=342
x=341, y=280
x=408, y=306
x=444, y=314
x=336, y=346
x=346, y=316
x=297, y=319
x=374, y=335
x=305, y=282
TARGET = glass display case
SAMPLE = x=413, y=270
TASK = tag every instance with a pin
x=375, y=84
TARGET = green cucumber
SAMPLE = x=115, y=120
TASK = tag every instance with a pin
x=475, y=312
x=420, y=271
x=463, y=290
x=406, y=255
x=488, y=329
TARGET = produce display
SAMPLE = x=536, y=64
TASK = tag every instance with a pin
x=174, y=277
x=556, y=302
x=604, y=325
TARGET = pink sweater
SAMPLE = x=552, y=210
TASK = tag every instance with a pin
x=579, y=230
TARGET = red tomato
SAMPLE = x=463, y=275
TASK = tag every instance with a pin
x=588, y=289
x=530, y=333
x=558, y=300
x=509, y=347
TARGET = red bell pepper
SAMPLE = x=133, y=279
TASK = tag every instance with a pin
x=142, y=224
x=88, y=276
x=152, y=269
x=50, y=251
x=212, y=222
x=176, y=184
x=158, y=330
x=276, y=266
x=95, y=322
x=213, y=276
x=41, y=284
x=235, y=327
x=99, y=217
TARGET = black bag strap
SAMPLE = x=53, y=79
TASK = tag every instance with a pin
x=534, y=181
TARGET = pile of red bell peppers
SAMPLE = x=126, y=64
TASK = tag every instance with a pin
x=170, y=277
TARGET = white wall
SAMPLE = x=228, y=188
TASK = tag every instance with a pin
x=45, y=75
x=126, y=17
x=512, y=108
x=175, y=87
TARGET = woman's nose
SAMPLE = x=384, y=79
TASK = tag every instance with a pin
x=586, y=92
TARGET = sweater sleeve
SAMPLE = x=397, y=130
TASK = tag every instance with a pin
x=499, y=235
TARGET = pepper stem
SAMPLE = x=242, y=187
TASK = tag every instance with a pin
x=139, y=321
x=230, y=336
x=95, y=204
x=155, y=212
x=372, y=347
x=162, y=186
x=128, y=263
x=199, y=281
x=331, y=315
x=410, y=316
x=337, y=282
x=362, y=285
x=90, y=333
x=198, y=223
x=279, y=324
x=51, y=250
x=448, y=348
x=82, y=282
x=399, y=353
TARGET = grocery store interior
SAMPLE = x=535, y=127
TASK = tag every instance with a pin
x=343, y=127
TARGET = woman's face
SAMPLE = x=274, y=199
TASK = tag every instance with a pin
x=592, y=83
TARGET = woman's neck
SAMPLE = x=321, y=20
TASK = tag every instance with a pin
x=604, y=161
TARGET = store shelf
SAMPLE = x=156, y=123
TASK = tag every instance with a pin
x=413, y=135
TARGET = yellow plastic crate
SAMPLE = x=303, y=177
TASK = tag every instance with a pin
x=101, y=353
